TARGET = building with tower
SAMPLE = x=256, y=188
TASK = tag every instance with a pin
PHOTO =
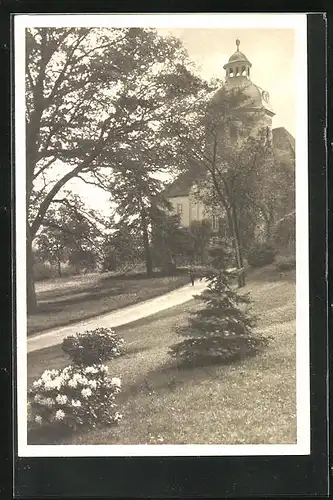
x=256, y=103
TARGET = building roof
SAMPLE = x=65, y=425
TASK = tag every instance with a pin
x=182, y=185
x=282, y=141
x=252, y=97
x=238, y=56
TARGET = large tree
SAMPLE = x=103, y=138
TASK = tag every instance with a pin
x=223, y=139
x=89, y=93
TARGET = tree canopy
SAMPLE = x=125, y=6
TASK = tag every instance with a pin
x=95, y=101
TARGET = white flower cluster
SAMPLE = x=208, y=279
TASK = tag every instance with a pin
x=116, y=382
x=73, y=392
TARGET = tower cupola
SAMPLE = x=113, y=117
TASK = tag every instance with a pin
x=238, y=65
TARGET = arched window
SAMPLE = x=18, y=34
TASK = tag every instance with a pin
x=237, y=72
x=243, y=71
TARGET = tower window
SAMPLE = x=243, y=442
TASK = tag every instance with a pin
x=179, y=208
x=243, y=71
x=215, y=223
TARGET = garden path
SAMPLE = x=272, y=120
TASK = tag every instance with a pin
x=117, y=318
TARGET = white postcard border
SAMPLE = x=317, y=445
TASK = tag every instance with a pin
x=297, y=22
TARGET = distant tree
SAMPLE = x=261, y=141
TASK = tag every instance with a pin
x=222, y=330
x=284, y=233
x=121, y=250
x=83, y=259
x=200, y=237
x=139, y=204
x=166, y=237
x=276, y=191
x=69, y=233
x=171, y=241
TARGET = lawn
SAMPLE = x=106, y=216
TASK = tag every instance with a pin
x=249, y=402
x=63, y=301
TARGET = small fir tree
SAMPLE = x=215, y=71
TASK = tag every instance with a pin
x=221, y=331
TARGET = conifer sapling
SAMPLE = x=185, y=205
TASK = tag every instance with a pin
x=222, y=330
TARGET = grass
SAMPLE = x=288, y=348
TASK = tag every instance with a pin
x=67, y=300
x=250, y=402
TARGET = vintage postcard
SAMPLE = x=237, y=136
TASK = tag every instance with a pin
x=162, y=235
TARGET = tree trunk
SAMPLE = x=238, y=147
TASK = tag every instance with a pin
x=59, y=267
x=31, y=291
x=146, y=245
x=233, y=226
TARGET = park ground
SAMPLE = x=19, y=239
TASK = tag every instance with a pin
x=64, y=301
x=250, y=402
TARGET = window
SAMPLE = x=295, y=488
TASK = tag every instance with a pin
x=215, y=223
x=179, y=208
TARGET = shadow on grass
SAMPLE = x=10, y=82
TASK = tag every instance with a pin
x=107, y=287
x=176, y=372
x=50, y=435
x=75, y=298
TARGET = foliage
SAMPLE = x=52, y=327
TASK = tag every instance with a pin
x=122, y=249
x=285, y=232
x=93, y=346
x=75, y=397
x=44, y=271
x=285, y=263
x=166, y=240
x=222, y=330
x=200, y=235
x=261, y=254
x=170, y=240
x=69, y=233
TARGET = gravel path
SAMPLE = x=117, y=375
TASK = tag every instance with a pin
x=117, y=318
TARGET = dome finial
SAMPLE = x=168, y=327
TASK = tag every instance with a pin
x=237, y=43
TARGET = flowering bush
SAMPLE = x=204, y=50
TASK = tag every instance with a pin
x=93, y=346
x=75, y=396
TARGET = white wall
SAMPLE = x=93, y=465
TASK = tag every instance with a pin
x=190, y=210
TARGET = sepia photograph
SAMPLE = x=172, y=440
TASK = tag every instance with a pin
x=162, y=235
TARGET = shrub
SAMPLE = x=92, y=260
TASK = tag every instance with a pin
x=261, y=255
x=43, y=271
x=286, y=264
x=93, y=346
x=74, y=397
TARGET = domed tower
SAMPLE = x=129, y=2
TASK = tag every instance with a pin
x=255, y=99
x=238, y=67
